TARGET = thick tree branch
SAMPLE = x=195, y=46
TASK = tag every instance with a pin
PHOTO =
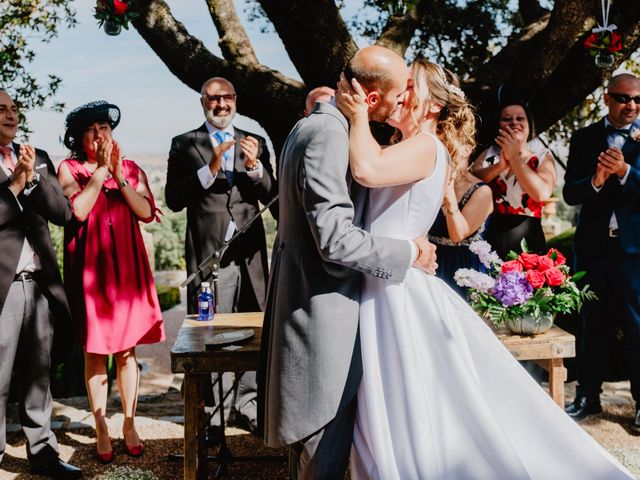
x=315, y=37
x=261, y=91
x=234, y=41
x=397, y=33
x=530, y=10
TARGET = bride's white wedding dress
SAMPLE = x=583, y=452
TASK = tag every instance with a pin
x=441, y=398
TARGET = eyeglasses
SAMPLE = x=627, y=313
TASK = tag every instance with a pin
x=227, y=97
x=624, y=98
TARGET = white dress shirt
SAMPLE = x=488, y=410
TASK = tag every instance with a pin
x=28, y=261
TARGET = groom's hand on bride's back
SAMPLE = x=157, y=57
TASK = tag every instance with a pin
x=426, y=259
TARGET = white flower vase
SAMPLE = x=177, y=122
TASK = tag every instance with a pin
x=528, y=325
x=111, y=27
x=604, y=59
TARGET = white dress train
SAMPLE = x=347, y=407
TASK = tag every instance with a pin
x=441, y=398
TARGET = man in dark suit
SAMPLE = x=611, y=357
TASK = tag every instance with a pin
x=219, y=173
x=32, y=300
x=603, y=176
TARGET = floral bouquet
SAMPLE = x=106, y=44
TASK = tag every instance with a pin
x=604, y=45
x=525, y=286
x=114, y=14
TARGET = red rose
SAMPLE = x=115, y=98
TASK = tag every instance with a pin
x=528, y=260
x=535, y=278
x=554, y=277
x=560, y=258
x=119, y=7
x=615, y=44
x=544, y=263
x=534, y=207
x=511, y=266
x=593, y=39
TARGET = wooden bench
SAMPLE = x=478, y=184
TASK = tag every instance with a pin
x=190, y=357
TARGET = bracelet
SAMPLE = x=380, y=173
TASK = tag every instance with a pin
x=451, y=212
x=123, y=183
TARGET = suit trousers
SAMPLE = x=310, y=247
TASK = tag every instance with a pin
x=614, y=276
x=26, y=335
x=325, y=454
x=234, y=295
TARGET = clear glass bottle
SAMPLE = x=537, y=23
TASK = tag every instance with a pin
x=205, y=302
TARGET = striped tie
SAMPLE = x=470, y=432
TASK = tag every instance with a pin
x=6, y=157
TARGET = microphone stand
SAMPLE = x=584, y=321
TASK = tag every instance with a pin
x=212, y=262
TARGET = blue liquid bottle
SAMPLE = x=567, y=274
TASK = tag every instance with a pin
x=206, y=306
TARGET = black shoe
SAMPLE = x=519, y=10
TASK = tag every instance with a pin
x=583, y=406
x=58, y=470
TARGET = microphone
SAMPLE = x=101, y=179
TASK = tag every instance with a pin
x=212, y=262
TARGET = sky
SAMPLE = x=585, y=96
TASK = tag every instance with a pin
x=155, y=105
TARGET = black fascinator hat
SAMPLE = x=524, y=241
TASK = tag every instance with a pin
x=83, y=116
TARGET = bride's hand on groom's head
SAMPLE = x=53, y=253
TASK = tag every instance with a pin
x=426, y=260
x=351, y=98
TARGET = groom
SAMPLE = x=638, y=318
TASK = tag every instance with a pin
x=311, y=367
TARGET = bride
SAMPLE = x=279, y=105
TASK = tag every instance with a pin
x=441, y=398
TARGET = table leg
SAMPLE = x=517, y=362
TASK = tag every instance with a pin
x=195, y=452
x=557, y=377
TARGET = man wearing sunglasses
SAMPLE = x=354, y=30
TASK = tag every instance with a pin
x=603, y=176
x=219, y=172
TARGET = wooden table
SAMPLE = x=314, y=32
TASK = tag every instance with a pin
x=547, y=349
x=189, y=356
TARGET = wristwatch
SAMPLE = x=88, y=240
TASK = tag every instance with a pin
x=251, y=169
x=123, y=183
x=34, y=182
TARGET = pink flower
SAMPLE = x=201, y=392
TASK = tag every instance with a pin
x=528, y=260
x=120, y=7
x=511, y=266
x=554, y=277
x=544, y=263
x=559, y=257
x=535, y=278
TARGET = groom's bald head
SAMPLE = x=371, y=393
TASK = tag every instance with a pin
x=384, y=76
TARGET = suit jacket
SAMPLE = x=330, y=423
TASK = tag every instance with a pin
x=310, y=356
x=209, y=211
x=593, y=223
x=46, y=203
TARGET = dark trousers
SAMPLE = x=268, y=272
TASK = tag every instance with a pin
x=26, y=335
x=325, y=454
x=236, y=295
x=615, y=278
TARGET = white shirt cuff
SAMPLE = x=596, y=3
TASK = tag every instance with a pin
x=597, y=189
x=625, y=176
x=17, y=201
x=256, y=174
x=206, y=179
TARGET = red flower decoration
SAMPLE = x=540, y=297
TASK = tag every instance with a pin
x=592, y=40
x=528, y=260
x=557, y=257
x=544, y=263
x=615, y=44
x=120, y=7
x=535, y=278
x=554, y=277
x=511, y=266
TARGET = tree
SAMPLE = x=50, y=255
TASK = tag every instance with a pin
x=19, y=20
x=535, y=51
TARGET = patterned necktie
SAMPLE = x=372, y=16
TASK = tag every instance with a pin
x=617, y=136
x=6, y=157
x=222, y=137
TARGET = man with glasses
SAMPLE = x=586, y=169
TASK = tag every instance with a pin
x=603, y=176
x=219, y=173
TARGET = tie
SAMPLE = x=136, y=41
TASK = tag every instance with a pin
x=222, y=137
x=6, y=157
x=613, y=131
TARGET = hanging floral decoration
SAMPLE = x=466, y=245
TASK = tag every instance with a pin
x=114, y=14
x=604, y=43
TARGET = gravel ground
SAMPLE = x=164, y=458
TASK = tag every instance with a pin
x=159, y=423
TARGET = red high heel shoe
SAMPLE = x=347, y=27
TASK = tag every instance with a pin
x=135, y=451
x=105, y=457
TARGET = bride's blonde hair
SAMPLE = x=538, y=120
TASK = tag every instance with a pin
x=456, y=124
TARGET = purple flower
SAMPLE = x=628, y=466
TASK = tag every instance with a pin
x=512, y=288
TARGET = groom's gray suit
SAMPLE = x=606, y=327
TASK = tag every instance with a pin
x=311, y=365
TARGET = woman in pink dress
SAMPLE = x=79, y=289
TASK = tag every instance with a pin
x=106, y=270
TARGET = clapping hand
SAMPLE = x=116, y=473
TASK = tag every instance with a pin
x=611, y=161
x=216, y=159
x=511, y=143
x=250, y=146
x=103, y=148
x=115, y=163
x=27, y=161
x=351, y=98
